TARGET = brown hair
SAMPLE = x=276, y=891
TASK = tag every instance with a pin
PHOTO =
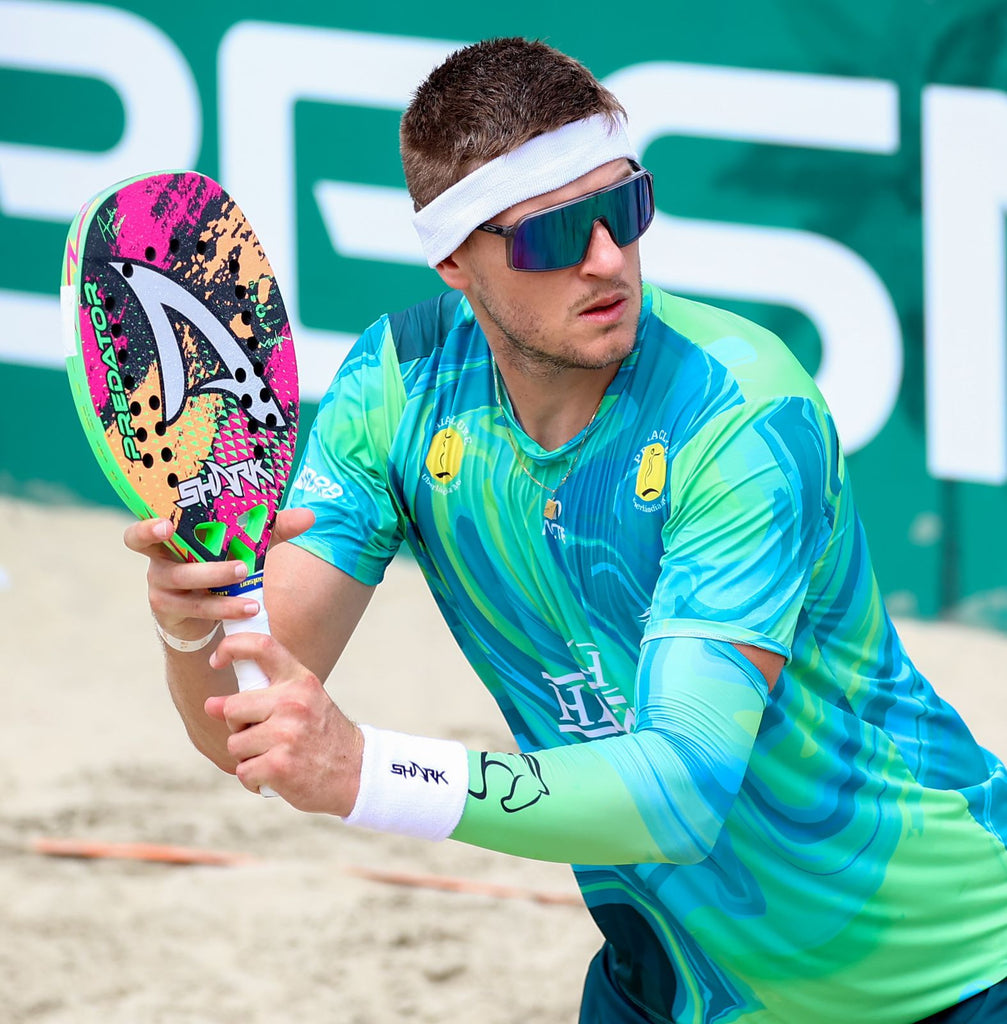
x=486, y=100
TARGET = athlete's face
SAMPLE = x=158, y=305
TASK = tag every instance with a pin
x=582, y=317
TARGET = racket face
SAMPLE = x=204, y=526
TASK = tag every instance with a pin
x=181, y=363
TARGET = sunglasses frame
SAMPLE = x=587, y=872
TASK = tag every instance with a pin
x=507, y=232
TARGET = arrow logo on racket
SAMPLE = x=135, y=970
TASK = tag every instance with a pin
x=157, y=293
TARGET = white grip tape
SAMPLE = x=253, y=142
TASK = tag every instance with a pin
x=248, y=673
x=410, y=785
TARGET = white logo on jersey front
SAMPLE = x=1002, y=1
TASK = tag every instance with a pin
x=587, y=704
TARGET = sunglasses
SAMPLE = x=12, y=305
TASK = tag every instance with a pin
x=558, y=236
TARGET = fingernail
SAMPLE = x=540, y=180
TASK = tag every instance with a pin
x=162, y=529
x=240, y=570
x=213, y=660
x=251, y=607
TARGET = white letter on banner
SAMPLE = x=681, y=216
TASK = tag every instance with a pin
x=861, y=368
x=964, y=199
x=327, y=66
x=163, y=128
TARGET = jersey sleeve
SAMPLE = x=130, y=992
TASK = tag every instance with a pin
x=749, y=517
x=753, y=496
x=658, y=794
x=343, y=475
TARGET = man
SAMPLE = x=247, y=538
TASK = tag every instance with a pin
x=634, y=513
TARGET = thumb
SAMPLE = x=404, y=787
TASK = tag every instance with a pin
x=292, y=522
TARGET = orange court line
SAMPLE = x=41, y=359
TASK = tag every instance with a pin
x=159, y=852
x=169, y=854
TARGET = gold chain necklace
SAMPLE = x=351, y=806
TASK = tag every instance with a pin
x=552, y=506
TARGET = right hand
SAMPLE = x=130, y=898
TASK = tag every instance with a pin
x=179, y=593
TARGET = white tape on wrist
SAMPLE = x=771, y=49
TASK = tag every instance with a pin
x=176, y=643
x=410, y=785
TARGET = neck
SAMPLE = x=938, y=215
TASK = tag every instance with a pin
x=556, y=406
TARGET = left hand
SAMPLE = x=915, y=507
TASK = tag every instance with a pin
x=289, y=736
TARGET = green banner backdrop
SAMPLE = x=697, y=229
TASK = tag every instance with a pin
x=836, y=171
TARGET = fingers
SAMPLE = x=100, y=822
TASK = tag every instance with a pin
x=178, y=591
x=289, y=736
x=147, y=537
x=271, y=656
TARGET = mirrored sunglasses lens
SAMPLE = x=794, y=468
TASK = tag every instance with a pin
x=630, y=215
x=548, y=242
x=559, y=238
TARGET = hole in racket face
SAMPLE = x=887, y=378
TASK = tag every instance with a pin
x=201, y=247
x=211, y=536
x=240, y=551
x=173, y=245
x=253, y=522
x=150, y=252
x=239, y=291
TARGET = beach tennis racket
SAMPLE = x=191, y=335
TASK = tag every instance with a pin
x=182, y=368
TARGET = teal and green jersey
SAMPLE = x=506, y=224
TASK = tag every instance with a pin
x=829, y=850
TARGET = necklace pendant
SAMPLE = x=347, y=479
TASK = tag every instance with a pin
x=551, y=509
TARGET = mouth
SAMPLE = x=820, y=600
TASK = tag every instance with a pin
x=606, y=309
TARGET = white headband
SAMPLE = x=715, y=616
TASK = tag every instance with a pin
x=540, y=165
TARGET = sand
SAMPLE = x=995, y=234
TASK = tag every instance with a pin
x=92, y=750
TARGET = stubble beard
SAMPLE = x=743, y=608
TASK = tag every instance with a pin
x=524, y=339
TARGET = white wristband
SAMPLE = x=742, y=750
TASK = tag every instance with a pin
x=176, y=643
x=410, y=785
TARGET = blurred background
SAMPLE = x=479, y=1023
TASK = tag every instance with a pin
x=836, y=171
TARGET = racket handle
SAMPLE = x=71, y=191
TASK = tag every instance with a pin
x=250, y=676
x=248, y=673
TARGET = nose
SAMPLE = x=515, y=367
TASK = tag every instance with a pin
x=604, y=258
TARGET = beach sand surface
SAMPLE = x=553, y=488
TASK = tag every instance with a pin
x=92, y=750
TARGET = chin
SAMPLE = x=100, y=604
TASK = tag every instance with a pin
x=613, y=349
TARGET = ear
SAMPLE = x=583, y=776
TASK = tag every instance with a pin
x=454, y=272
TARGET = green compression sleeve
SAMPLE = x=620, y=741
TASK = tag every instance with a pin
x=658, y=794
